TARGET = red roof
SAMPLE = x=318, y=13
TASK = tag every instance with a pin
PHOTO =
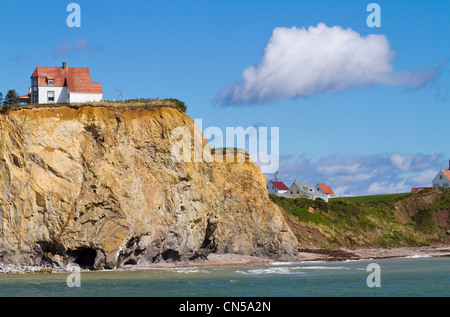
x=77, y=79
x=446, y=173
x=417, y=189
x=26, y=96
x=280, y=185
x=326, y=189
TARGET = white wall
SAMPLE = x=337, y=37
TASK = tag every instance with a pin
x=271, y=188
x=82, y=97
x=61, y=94
x=438, y=182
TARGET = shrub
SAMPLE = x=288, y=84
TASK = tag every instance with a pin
x=424, y=221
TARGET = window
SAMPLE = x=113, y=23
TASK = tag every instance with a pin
x=35, y=83
x=292, y=191
x=440, y=176
x=298, y=191
x=51, y=96
x=50, y=82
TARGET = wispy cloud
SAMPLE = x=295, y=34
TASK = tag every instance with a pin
x=364, y=174
x=306, y=62
x=16, y=58
x=68, y=47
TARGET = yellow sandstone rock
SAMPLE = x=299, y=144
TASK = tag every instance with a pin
x=99, y=186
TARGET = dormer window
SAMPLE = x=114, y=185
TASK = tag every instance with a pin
x=50, y=82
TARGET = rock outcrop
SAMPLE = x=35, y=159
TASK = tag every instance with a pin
x=99, y=186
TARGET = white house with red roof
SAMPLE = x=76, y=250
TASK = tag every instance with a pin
x=324, y=189
x=306, y=190
x=277, y=187
x=442, y=179
x=63, y=85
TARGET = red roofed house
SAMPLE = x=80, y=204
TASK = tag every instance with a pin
x=277, y=187
x=324, y=189
x=442, y=179
x=63, y=85
x=419, y=189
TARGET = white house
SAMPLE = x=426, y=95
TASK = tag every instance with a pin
x=442, y=179
x=306, y=190
x=63, y=85
x=324, y=189
x=277, y=187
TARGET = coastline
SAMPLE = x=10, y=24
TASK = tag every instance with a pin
x=308, y=255
x=229, y=260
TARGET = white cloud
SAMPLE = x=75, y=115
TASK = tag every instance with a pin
x=413, y=162
x=364, y=174
x=388, y=188
x=338, y=169
x=306, y=62
x=67, y=47
x=423, y=179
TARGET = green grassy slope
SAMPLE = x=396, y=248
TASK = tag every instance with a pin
x=371, y=221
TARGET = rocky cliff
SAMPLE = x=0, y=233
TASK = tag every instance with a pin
x=99, y=186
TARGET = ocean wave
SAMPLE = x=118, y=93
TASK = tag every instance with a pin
x=272, y=270
x=188, y=270
x=324, y=268
x=283, y=263
x=417, y=256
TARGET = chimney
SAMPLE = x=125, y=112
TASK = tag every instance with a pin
x=64, y=65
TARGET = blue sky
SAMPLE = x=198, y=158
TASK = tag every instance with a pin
x=384, y=136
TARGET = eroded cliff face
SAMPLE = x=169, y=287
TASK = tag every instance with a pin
x=99, y=186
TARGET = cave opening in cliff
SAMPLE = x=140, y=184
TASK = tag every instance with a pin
x=84, y=257
x=171, y=256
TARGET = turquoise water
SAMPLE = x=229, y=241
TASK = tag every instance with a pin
x=399, y=277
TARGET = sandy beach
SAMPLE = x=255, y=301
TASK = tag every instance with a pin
x=306, y=255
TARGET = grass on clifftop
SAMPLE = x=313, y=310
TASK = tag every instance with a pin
x=367, y=221
x=149, y=104
x=371, y=199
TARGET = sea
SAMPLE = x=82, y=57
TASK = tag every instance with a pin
x=401, y=277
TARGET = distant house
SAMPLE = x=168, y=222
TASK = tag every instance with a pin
x=63, y=85
x=324, y=189
x=300, y=189
x=306, y=190
x=25, y=99
x=419, y=189
x=277, y=187
x=442, y=179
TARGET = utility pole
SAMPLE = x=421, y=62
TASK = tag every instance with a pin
x=123, y=100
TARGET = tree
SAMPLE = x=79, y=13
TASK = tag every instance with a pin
x=11, y=96
x=1, y=98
